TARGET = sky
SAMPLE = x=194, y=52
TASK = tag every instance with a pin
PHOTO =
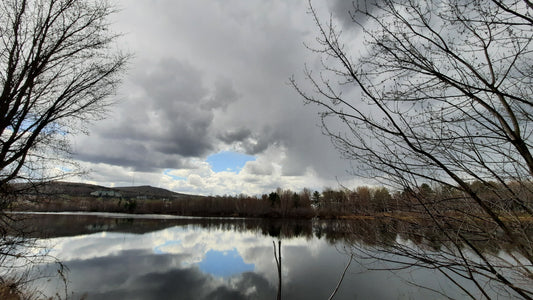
x=206, y=107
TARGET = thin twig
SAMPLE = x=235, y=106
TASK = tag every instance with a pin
x=342, y=277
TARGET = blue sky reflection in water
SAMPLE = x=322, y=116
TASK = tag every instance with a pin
x=219, y=260
x=224, y=263
x=217, y=263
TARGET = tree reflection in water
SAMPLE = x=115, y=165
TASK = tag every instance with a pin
x=364, y=239
x=277, y=257
x=418, y=243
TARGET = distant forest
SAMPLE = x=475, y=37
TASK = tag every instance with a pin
x=281, y=203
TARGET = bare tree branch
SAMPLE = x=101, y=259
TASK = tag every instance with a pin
x=440, y=94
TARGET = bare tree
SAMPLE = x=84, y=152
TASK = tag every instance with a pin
x=58, y=67
x=440, y=92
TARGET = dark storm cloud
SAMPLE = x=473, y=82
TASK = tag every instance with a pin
x=126, y=153
x=255, y=168
x=210, y=77
x=251, y=143
x=169, y=119
x=131, y=157
x=177, y=121
x=261, y=145
x=232, y=136
x=224, y=95
x=343, y=10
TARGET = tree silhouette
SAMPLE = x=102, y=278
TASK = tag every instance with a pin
x=439, y=92
x=58, y=67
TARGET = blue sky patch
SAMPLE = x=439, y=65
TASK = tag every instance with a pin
x=66, y=169
x=224, y=263
x=228, y=161
x=167, y=172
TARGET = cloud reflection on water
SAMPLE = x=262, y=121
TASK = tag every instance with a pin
x=179, y=262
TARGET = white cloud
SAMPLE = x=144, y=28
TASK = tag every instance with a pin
x=263, y=175
x=207, y=77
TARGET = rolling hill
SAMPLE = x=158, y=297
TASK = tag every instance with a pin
x=83, y=190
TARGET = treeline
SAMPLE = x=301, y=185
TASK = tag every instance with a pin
x=278, y=204
x=285, y=203
x=511, y=196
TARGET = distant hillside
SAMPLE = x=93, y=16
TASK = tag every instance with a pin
x=84, y=190
x=149, y=191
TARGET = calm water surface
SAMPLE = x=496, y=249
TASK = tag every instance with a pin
x=120, y=257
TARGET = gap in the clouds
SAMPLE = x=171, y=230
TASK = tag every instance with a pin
x=167, y=172
x=65, y=169
x=228, y=161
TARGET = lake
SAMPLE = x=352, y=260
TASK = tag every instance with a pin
x=114, y=256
